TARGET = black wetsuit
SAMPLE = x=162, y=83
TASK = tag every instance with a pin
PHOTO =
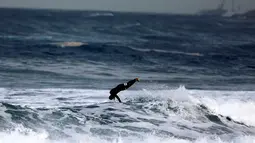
x=119, y=88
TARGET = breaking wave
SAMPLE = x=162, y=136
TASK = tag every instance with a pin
x=177, y=115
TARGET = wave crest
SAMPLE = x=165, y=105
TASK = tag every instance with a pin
x=101, y=14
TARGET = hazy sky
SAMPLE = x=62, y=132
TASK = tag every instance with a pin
x=172, y=6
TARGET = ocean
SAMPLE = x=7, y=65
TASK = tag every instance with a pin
x=197, y=77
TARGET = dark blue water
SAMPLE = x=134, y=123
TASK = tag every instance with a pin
x=56, y=68
x=197, y=52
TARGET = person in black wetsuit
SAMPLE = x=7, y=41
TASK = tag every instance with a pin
x=121, y=87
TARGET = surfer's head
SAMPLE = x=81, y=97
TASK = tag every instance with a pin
x=111, y=97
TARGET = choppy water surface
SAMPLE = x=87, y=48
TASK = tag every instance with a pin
x=56, y=69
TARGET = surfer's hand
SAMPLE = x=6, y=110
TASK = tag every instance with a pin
x=137, y=79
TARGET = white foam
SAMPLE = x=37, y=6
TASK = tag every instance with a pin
x=70, y=44
x=238, y=108
x=239, y=105
x=23, y=135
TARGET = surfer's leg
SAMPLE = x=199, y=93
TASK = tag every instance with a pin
x=130, y=83
x=118, y=98
x=123, y=86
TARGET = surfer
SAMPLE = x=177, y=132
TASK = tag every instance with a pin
x=121, y=87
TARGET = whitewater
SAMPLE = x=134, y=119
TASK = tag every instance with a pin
x=145, y=116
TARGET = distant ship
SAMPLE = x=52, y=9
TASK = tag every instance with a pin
x=236, y=10
x=247, y=15
x=250, y=14
x=220, y=11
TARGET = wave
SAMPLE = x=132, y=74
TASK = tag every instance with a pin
x=29, y=37
x=170, y=114
x=70, y=44
x=76, y=51
x=22, y=134
x=97, y=14
x=128, y=26
x=212, y=102
x=166, y=51
x=119, y=49
x=168, y=38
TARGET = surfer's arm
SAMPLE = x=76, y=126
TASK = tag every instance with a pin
x=118, y=98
